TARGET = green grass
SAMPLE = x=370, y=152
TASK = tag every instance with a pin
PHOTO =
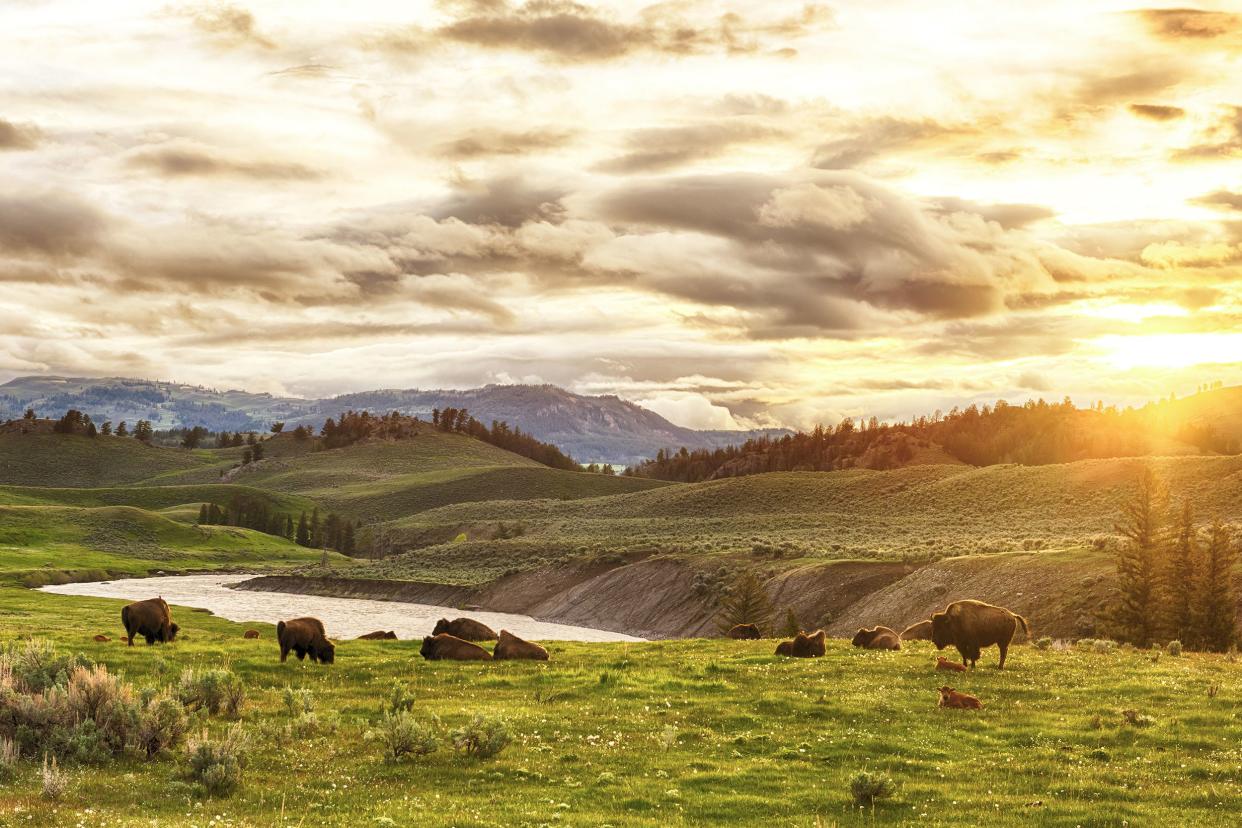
x=153, y=498
x=674, y=733
x=56, y=544
x=67, y=460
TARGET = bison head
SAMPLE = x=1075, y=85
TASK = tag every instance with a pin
x=942, y=633
x=172, y=631
x=442, y=626
x=428, y=650
x=861, y=638
x=326, y=652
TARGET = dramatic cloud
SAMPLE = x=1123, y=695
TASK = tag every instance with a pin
x=1221, y=200
x=186, y=160
x=18, y=136
x=1191, y=24
x=1155, y=112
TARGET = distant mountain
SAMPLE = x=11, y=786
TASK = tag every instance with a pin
x=592, y=429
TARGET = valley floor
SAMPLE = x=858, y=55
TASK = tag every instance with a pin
x=686, y=732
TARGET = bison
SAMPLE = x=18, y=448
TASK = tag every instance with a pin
x=943, y=663
x=958, y=701
x=251, y=634
x=467, y=629
x=921, y=631
x=305, y=637
x=972, y=625
x=747, y=632
x=808, y=646
x=151, y=619
x=445, y=647
x=378, y=635
x=785, y=648
x=877, y=638
x=510, y=646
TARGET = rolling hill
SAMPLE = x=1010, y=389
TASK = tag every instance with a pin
x=591, y=429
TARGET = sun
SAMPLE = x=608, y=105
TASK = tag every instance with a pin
x=1170, y=350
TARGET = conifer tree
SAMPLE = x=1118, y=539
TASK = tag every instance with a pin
x=122, y=430
x=746, y=603
x=204, y=515
x=1214, y=603
x=792, y=627
x=1177, y=578
x=303, y=535
x=347, y=539
x=1133, y=615
x=289, y=530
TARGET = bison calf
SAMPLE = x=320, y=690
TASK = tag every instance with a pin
x=467, y=629
x=305, y=637
x=943, y=663
x=510, y=646
x=744, y=632
x=959, y=701
x=877, y=638
x=152, y=619
x=445, y=647
x=251, y=634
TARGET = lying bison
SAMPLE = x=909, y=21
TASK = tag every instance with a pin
x=445, y=647
x=808, y=646
x=510, y=646
x=972, y=625
x=917, y=632
x=378, y=635
x=250, y=634
x=151, y=619
x=958, y=701
x=943, y=663
x=877, y=638
x=467, y=629
x=785, y=648
x=744, y=632
x=305, y=637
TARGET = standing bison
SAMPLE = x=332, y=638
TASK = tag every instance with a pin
x=744, y=632
x=511, y=647
x=972, y=625
x=877, y=638
x=467, y=629
x=151, y=619
x=305, y=637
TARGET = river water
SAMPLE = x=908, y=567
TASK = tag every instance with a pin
x=344, y=617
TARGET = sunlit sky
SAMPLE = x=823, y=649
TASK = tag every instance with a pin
x=739, y=214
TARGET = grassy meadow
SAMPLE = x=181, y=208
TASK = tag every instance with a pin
x=670, y=733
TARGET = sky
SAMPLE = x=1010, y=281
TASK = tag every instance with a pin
x=738, y=214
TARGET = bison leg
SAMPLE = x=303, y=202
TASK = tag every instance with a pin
x=150, y=638
x=284, y=653
x=300, y=652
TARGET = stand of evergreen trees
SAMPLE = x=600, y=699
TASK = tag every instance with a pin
x=1175, y=576
x=334, y=532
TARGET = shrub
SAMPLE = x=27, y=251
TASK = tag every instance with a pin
x=54, y=779
x=161, y=726
x=36, y=666
x=483, y=738
x=400, y=700
x=1044, y=643
x=217, y=765
x=868, y=788
x=1175, y=647
x=9, y=755
x=403, y=735
x=299, y=702
x=212, y=690
x=96, y=696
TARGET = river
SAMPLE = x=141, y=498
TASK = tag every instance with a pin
x=344, y=617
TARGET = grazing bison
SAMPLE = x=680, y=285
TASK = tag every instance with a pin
x=151, y=619
x=102, y=638
x=379, y=635
x=467, y=629
x=251, y=634
x=943, y=663
x=918, y=632
x=510, y=646
x=877, y=638
x=809, y=646
x=785, y=648
x=959, y=701
x=445, y=647
x=747, y=632
x=305, y=637
x=972, y=625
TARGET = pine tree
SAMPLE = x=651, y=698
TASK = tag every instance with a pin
x=204, y=515
x=1177, y=579
x=303, y=535
x=1214, y=602
x=792, y=627
x=106, y=428
x=746, y=603
x=122, y=430
x=143, y=431
x=347, y=539
x=30, y=414
x=1133, y=615
x=316, y=531
x=289, y=530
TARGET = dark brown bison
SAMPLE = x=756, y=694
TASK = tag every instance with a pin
x=251, y=634
x=305, y=637
x=917, y=632
x=445, y=647
x=510, y=646
x=960, y=701
x=877, y=638
x=809, y=646
x=744, y=632
x=785, y=648
x=972, y=625
x=151, y=619
x=943, y=663
x=467, y=629
x=378, y=635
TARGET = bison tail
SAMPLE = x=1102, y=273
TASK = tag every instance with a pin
x=280, y=629
x=1026, y=628
x=125, y=617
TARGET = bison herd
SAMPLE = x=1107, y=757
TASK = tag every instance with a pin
x=449, y=640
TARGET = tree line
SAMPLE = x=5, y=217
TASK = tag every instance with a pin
x=1035, y=433
x=1175, y=578
x=249, y=512
x=76, y=422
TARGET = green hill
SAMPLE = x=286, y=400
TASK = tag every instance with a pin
x=70, y=460
x=152, y=498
